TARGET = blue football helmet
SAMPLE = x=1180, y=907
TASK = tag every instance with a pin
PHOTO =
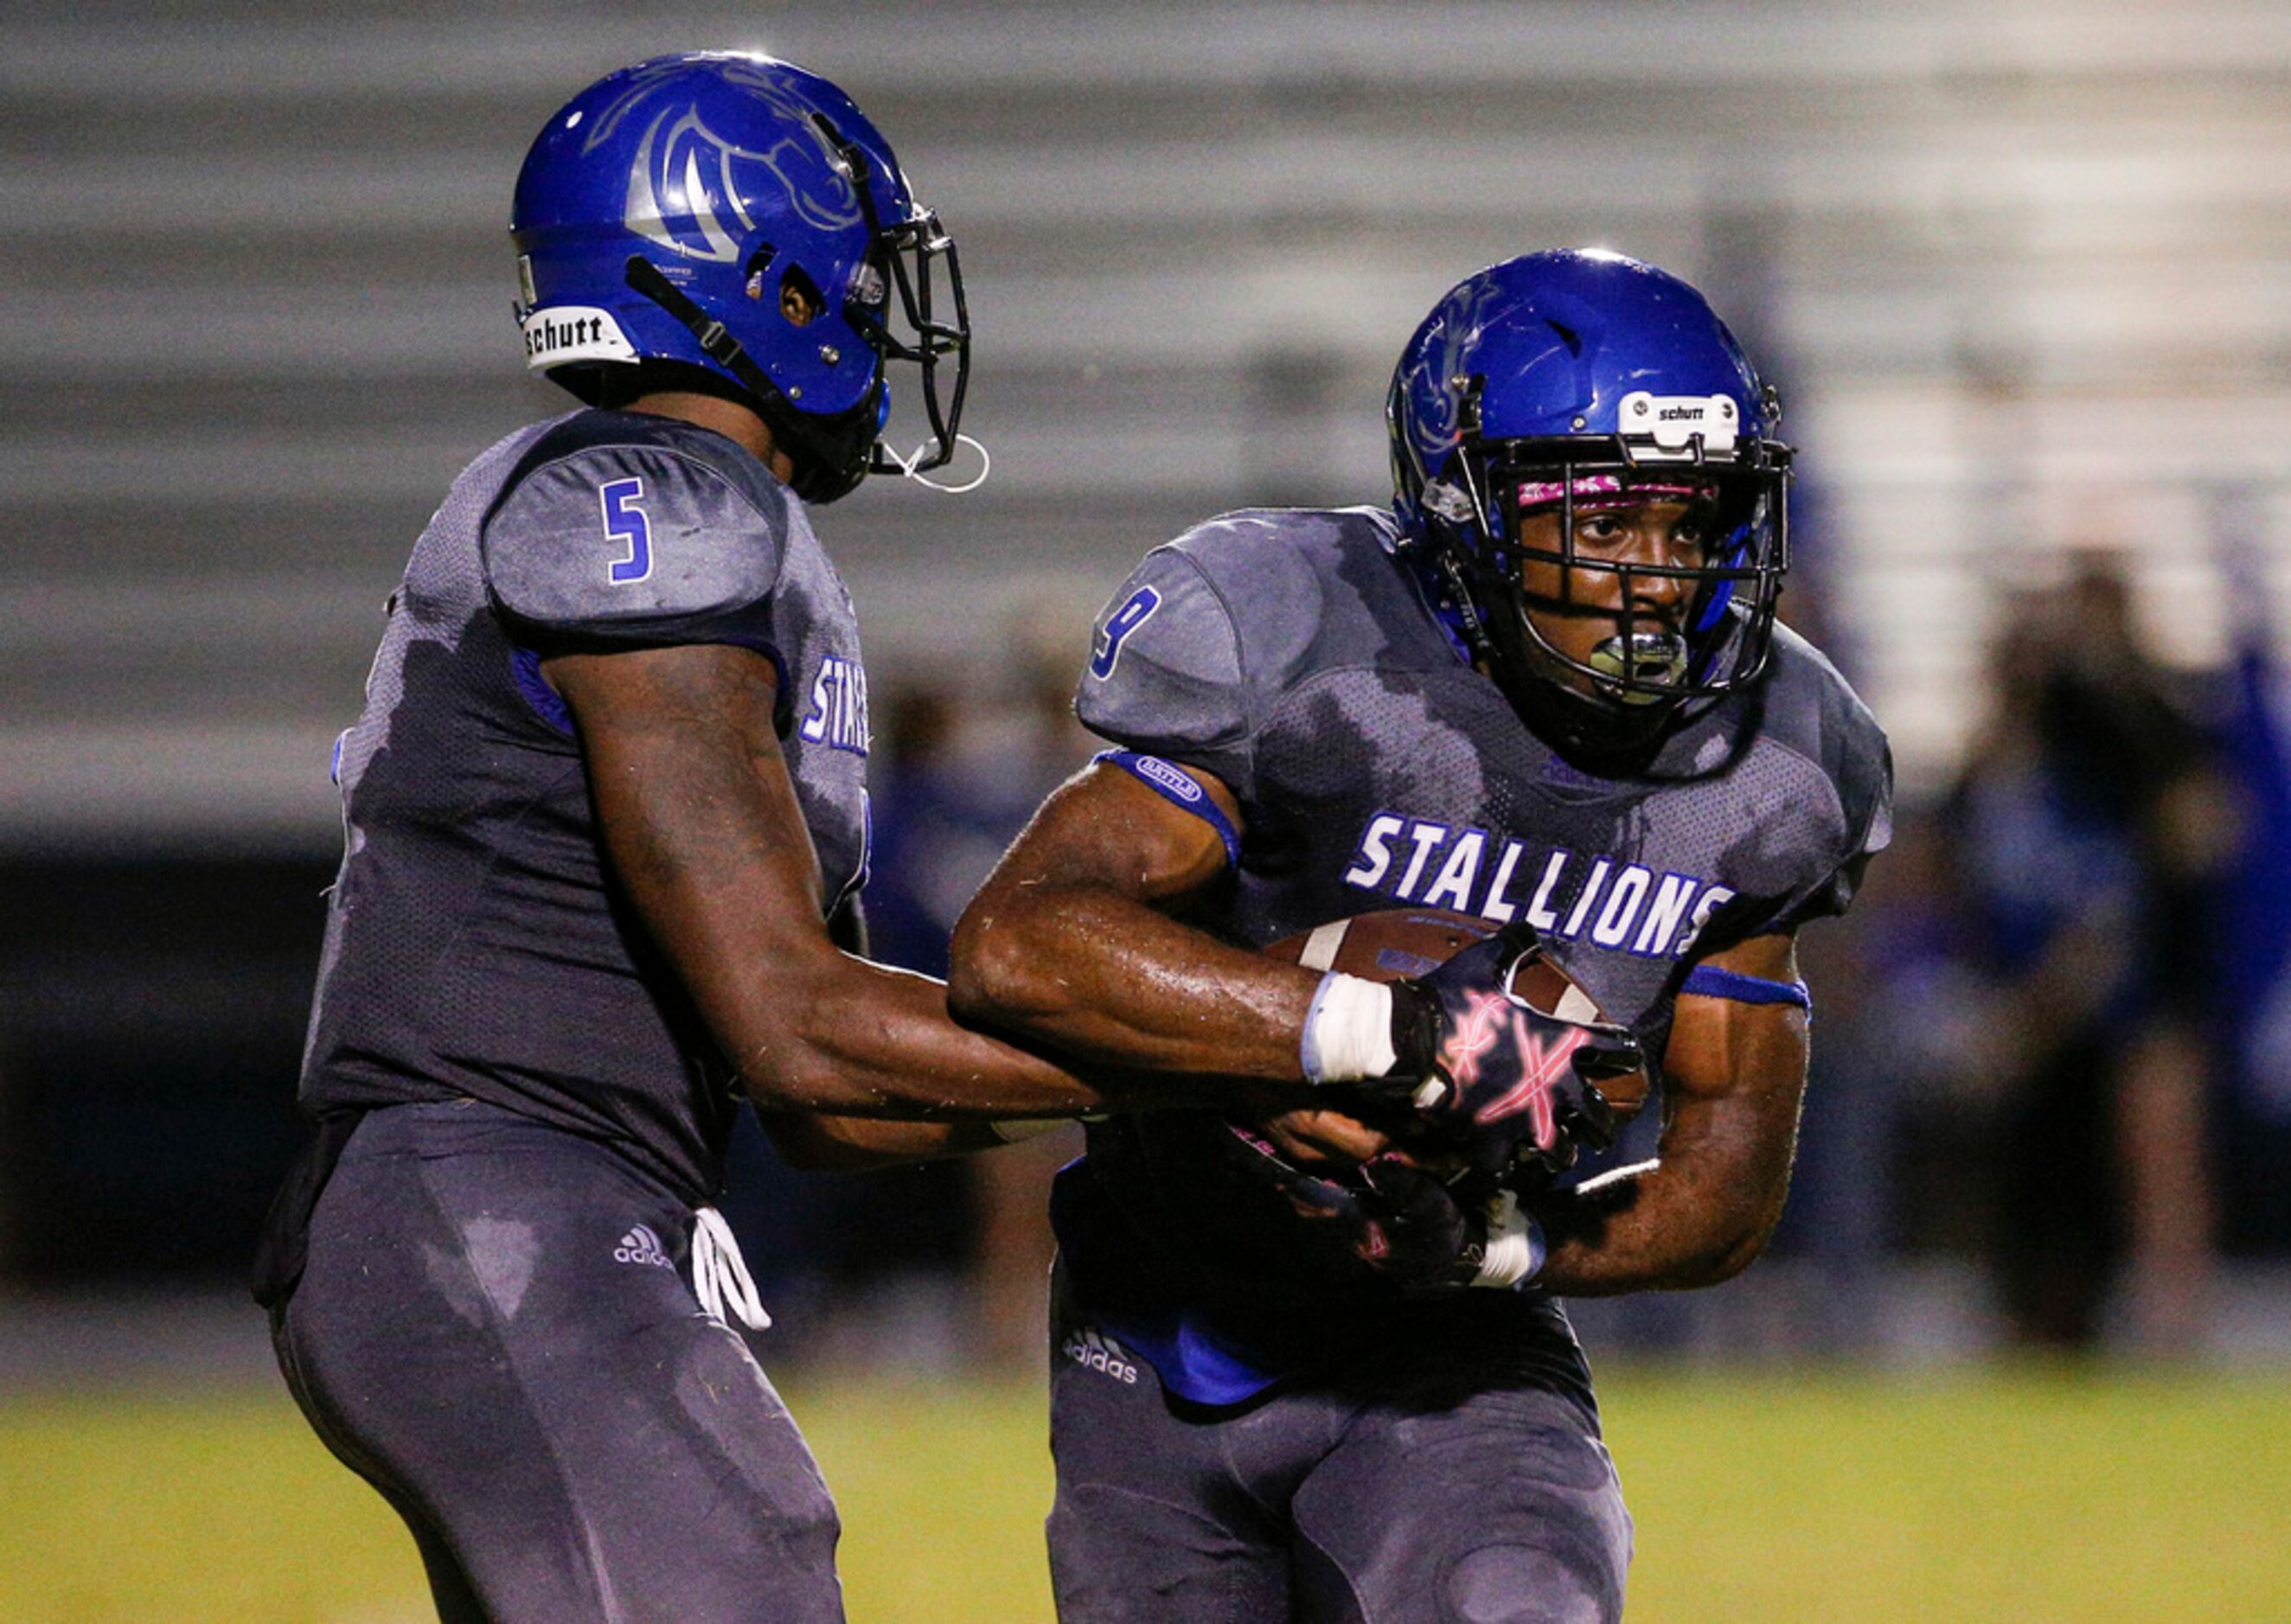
x=740, y=214
x=1581, y=377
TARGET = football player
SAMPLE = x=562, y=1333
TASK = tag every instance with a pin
x=607, y=825
x=1545, y=687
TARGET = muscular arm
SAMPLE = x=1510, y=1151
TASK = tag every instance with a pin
x=1072, y=942
x=701, y=826
x=851, y=1144
x=1734, y=1076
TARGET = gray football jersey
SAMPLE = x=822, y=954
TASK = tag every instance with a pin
x=1288, y=654
x=476, y=942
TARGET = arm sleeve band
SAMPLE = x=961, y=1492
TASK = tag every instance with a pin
x=1709, y=981
x=1175, y=786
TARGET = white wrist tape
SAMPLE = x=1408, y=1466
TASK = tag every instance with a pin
x=1515, y=1245
x=1347, y=1031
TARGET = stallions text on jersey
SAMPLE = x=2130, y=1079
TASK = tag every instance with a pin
x=1293, y=656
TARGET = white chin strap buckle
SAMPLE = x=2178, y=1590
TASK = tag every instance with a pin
x=908, y=465
x=720, y=1275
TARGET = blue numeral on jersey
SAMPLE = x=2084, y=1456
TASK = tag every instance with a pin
x=1124, y=620
x=625, y=522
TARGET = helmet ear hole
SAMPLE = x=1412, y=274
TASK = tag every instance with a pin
x=758, y=263
x=800, y=300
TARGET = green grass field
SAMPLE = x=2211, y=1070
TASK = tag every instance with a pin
x=1759, y=1496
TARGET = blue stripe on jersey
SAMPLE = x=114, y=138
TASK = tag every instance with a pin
x=1185, y=1354
x=1709, y=981
x=1175, y=786
x=547, y=703
x=1195, y=1358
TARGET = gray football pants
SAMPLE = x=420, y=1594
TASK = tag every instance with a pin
x=1426, y=1488
x=495, y=1330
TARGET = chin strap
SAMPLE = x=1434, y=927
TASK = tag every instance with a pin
x=1457, y=594
x=827, y=465
x=911, y=466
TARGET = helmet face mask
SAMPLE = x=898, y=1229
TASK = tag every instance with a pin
x=1716, y=635
x=915, y=249
x=1561, y=394
x=740, y=214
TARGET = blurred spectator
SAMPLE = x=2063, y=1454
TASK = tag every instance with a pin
x=2255, y=1135
x=2089, y=832
x=961, y=780
x=1897, y=1069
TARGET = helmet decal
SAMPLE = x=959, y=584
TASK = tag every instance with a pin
x=1456, y=325
x=680, y=178
x=676, y=210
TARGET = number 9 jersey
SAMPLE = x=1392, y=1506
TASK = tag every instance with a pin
x=476, y=945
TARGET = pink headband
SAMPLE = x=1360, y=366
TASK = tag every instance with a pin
x=1617, y=485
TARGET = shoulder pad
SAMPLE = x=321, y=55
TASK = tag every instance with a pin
x=1814, y=711
x=1191, y=654
x=1257, y=562
x=636, y=529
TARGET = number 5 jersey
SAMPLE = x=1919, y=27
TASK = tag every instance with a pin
x=476, y=942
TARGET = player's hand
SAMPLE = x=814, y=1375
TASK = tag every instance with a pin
x=1382, y=1216
x=1316, y=1139
x=1514, y=1091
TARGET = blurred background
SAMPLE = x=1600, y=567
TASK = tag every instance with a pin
x=2021, y=269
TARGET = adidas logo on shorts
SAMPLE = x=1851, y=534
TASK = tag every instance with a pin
x=640, y=1245
x=1094, y=1350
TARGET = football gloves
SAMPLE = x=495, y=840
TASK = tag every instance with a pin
x=1381, y=1217
x=1512, y=1092
x=1401, y=1224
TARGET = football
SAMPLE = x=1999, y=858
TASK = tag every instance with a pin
x=1393, y=943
